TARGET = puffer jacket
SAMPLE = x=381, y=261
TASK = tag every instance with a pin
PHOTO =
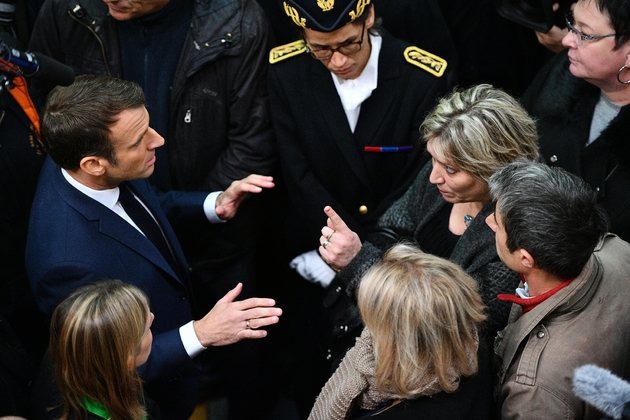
x=219, y=128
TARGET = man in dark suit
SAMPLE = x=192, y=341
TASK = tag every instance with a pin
x=84, y=227
x=347, y=101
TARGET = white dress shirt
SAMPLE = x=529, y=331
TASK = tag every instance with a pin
x=354, y=91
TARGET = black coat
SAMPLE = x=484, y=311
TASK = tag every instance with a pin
x=324, y=163
x=219, y=127
x=563, y=106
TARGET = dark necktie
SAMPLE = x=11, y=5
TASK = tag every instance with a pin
x=146, y=223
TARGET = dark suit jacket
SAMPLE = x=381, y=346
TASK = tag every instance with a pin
x=74, y=240
x=324, y=162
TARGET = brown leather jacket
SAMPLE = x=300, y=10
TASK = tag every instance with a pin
x=587, y=322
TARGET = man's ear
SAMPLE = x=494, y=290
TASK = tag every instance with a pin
x=527, y=260
x=369, y=22
x=93, y=165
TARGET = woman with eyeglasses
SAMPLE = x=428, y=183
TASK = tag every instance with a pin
x=580, y=103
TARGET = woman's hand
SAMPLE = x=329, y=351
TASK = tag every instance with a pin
x=338, y=244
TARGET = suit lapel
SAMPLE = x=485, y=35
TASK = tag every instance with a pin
x=111, y=224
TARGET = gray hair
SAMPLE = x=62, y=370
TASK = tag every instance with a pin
x=550, y=213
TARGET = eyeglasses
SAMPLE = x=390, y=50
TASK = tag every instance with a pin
x=581, y=35
x=348, y=49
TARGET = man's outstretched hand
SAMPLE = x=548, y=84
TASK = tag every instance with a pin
x=229, y=200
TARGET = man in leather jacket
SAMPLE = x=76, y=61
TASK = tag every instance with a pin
x=573, y=308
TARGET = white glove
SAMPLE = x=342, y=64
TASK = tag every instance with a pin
x=313, y=268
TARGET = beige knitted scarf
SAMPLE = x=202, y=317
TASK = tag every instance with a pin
x=354, y=385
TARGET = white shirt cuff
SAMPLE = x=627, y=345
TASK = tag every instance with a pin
x=209, y=205
x=189, y=340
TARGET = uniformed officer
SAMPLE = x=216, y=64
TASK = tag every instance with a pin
x=347, y=100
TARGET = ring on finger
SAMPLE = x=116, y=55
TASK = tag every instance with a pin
x=330, y=235
x=247, y=325
x=325, y=243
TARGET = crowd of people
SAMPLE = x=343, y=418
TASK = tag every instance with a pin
x=435, y=237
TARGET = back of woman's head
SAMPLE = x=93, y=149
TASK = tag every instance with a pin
x=95, y=335
x=480, y=130
x=422, y=312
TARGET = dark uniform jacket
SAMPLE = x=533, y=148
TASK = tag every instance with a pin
x=563, y=106
x=324, y=163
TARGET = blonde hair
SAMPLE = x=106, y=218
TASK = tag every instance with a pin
x=95, y=332
x=422, y=312
x=480, y=130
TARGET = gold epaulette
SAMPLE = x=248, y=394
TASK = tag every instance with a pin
x=426, y=61
x=285, y=51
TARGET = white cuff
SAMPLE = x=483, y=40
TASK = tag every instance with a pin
x=313, y=268
x=209, y=205
x=189, y=340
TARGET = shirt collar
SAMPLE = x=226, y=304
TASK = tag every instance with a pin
x=108, y=197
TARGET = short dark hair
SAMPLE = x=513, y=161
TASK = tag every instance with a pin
x=550, y=213
x=618, y=12
x=77, y=119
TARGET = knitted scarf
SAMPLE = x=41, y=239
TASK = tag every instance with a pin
x=354, y=384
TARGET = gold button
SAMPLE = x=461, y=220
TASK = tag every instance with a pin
x=363, y=209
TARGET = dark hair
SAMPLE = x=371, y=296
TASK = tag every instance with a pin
x=77, y=119
x=550, y=213
x=618, y=12
x=377, y=27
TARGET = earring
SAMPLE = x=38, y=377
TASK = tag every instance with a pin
x=627, y=82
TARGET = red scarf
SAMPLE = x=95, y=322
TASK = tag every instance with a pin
x=530, y=303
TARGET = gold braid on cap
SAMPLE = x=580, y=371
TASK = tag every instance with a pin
x=360, y=8
x=293, y=14
x=326, y=5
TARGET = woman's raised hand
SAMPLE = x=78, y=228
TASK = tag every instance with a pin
x=338, y=244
